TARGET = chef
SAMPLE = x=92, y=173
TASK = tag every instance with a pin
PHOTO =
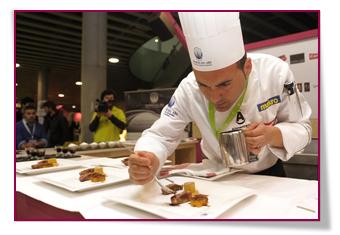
x=227, y=89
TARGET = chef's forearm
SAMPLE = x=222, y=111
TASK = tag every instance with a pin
x=276, y=137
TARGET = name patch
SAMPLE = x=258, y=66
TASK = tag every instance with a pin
x=271, y=101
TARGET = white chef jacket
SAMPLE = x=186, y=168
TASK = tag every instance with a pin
x=265, y=100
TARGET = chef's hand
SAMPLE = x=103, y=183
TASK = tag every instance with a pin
x=142, y=167
x=258, y=135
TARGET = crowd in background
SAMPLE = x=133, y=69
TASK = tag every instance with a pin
x=54, y=129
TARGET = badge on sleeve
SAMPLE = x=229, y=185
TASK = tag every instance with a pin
x=169, y=111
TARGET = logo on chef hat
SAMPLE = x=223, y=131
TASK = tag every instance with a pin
x=198, y=53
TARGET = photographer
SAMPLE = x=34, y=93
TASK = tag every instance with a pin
x=108, y=121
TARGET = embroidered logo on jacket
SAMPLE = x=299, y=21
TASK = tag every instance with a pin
x=172, y=102
x=168, y=111
x=240, y=118
x=271, y=101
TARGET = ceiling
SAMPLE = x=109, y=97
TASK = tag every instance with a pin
x=52, y=40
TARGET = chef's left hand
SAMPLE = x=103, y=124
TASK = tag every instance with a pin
x=257, y=136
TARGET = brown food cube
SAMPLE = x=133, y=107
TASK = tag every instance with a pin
x=189, y=187
x=85, y=177
x=42, y=164
x=174, y=187
x=87, y=171
x=199, y=200
x=97, y=177
x=180, y=198
x=93, y=174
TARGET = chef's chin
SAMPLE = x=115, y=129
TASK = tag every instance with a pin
x=221, y=108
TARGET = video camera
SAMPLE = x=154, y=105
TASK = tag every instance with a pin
x=102, y=107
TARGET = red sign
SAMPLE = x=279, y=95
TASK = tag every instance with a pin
x=313, y=56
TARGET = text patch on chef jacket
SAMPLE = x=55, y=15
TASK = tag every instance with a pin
x=169, y=111
x=271, y=101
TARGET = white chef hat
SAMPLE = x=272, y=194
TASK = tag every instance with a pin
x=214, y=39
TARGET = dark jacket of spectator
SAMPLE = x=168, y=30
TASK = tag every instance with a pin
x=57, y=129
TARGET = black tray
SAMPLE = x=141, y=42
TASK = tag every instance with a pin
x=30, y=158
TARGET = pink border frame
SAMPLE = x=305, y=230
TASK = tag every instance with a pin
x=282, y=40
x=250, y=46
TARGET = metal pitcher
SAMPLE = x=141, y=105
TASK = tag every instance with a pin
x=234, y=149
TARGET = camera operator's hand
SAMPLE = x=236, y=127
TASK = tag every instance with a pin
x=108, y=114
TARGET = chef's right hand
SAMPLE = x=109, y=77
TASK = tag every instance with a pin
x=142, y=167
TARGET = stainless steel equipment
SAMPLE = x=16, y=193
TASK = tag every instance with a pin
x=234, y=149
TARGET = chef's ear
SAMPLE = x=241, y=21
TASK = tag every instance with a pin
x=247, y=66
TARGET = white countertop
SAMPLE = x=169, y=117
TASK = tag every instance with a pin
x=276, y=198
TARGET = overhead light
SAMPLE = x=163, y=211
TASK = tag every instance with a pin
x=61, y=95
x=156, y=40
x=79, y=83
x=16, y=84
x=113, y=60
x=73, y=106
x=17, y=65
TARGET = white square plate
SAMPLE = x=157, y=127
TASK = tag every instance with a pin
x=109, y=162
x=63, y=164
x=69, y=180
x=105, y=162
x=212, y=178
x=150, y=199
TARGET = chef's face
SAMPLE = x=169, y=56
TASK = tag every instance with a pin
x=222, y=87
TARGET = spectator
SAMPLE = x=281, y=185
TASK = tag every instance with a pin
x=73, y=127
x=20, y=105
x=55, y=124
x=29, y=133
x=108, y=121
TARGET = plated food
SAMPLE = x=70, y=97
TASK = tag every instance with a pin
x=189, y=194
x=199, y=200
x=95, y=174
x=45, y=163
x=180, y=198
x=173, y=187
x=189, y=187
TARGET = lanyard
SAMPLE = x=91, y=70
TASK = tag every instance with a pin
x=230, y=117
x=28, y=129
